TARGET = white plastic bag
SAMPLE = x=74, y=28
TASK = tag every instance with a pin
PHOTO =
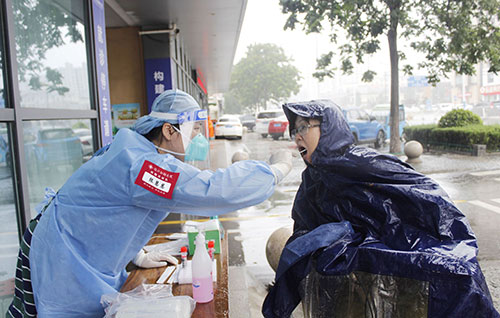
x=147, y=301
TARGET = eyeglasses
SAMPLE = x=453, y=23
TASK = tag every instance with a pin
x=302, y=130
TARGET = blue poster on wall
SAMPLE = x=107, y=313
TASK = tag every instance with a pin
x=158, y=78
x=102, y=71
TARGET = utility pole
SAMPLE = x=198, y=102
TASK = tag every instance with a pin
x=463, y=91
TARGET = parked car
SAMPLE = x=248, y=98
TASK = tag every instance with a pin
x=482, y=104
x=365, y=128
x=278, y=128
x=248, y=121
x=229, y=126
x=50, y=147
x=382, y=114
x=263, y=119
x=85, y=136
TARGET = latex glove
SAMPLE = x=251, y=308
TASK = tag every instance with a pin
x=153, y=259
x=281, y=164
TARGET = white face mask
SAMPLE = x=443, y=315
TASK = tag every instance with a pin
x=170, y=151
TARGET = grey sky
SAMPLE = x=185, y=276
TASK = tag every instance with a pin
x=263, y=23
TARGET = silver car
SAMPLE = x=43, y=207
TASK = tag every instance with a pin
x=263, y=119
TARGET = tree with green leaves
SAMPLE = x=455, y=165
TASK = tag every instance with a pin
x=39, y=27
x=453, y=35
x=232, y=104
x=264, y=75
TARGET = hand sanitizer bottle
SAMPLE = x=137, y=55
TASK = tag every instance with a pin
x=202, y=272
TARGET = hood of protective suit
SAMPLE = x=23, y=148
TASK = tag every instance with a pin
x=165, y=109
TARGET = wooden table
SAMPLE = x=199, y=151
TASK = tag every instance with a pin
x=217, y=308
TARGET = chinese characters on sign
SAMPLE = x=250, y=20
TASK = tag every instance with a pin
x=490, y=90
x=102, y=71
x=158, y=78
x=157, y=180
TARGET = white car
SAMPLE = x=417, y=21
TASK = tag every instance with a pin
x=263, y=119
x=85, y=136
x=229, y=126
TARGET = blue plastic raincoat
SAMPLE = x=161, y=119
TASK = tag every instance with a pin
x=101, y=218
x=358, y=211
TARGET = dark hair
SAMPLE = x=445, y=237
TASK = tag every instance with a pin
x=155, y=133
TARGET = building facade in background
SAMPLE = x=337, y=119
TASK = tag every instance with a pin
x=48, y=90
x=73, y=72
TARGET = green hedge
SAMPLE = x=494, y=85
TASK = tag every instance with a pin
x=429, y=135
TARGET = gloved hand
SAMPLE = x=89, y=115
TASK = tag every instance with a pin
x=281, y=164
x=153, y=259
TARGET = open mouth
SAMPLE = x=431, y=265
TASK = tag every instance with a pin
x=302, y=151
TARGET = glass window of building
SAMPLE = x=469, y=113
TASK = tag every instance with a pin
x=491, y=77
x=9, y=237
x=54, y=149
x=2, y=77
x=176, y=48
x=179, y=74
x=185, y=79
x=51, y=53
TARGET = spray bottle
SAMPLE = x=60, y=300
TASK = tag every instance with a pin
x=202, y=272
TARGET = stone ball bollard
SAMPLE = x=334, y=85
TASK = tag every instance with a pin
x=239, y=155
x=275, y=244
x=413, y=149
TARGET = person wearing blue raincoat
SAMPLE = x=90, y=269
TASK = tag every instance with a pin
x=108, y=209
x=372, y=237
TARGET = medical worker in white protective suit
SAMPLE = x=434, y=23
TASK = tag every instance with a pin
x=109, y=208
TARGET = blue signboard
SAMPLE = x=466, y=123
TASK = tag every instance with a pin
x=158, y=78
x=417, y=81
x=102, y=71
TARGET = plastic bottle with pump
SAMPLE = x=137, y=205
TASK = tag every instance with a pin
x=202, y=272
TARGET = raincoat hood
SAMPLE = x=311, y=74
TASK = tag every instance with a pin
x=335, y=132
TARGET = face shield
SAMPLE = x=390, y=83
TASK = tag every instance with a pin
x=193, y=127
